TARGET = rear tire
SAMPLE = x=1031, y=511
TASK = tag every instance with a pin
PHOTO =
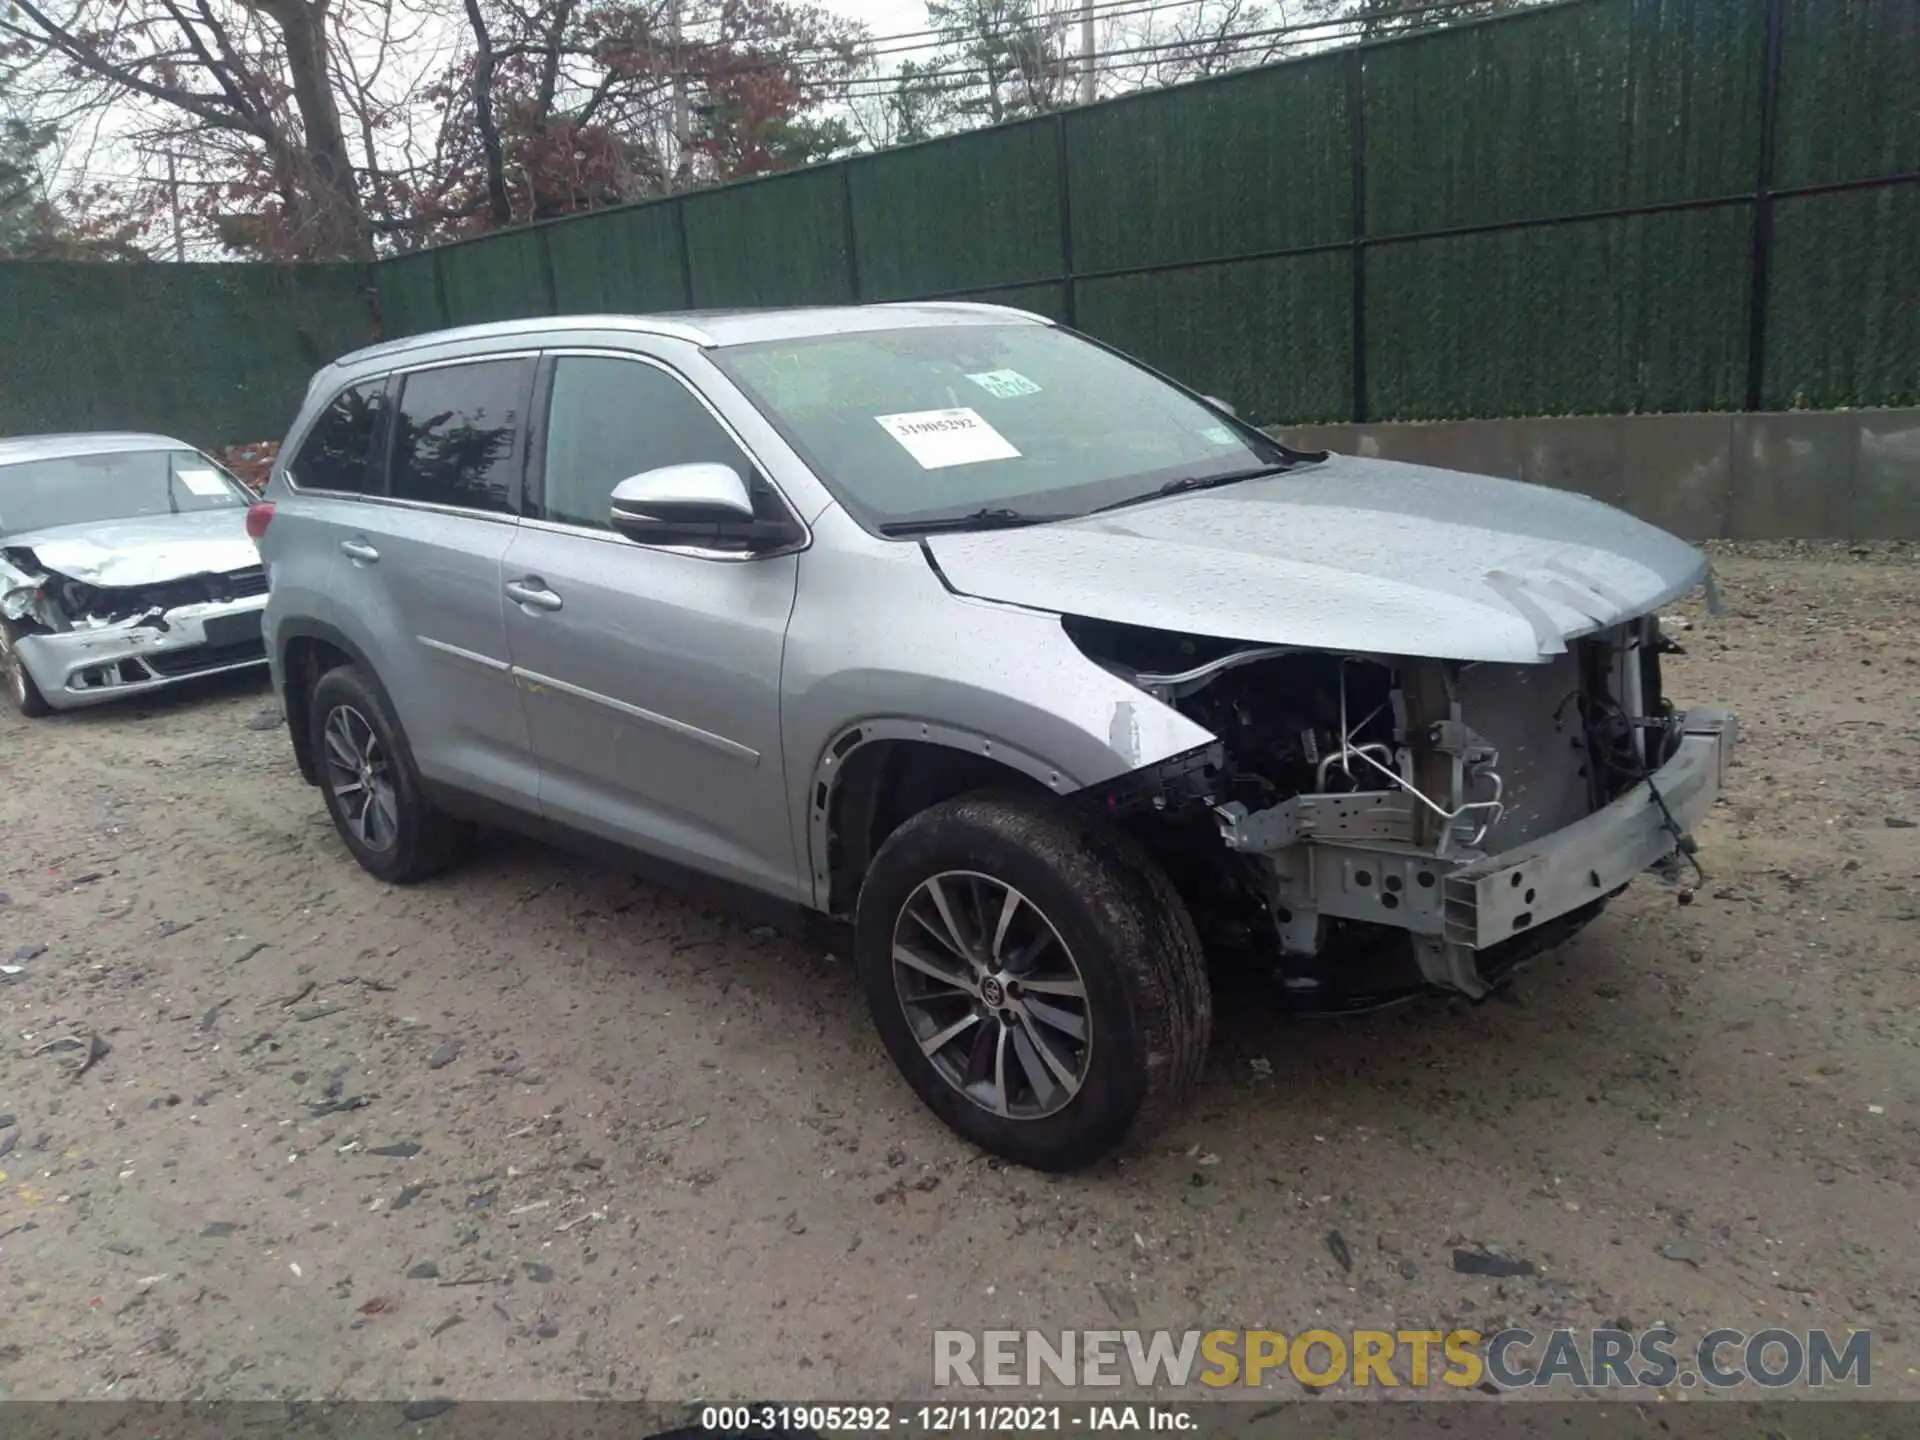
x=1095, y=928
x=21, y=688
x=373, y=789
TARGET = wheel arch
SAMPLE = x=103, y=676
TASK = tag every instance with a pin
x=307, y=650
x=875, y=774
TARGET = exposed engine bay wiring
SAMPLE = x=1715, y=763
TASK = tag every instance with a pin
x=1313, y=834
x=1346, y=752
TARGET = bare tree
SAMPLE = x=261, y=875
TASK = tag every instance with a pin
x=1374, y=19
x=963, y=75
x=1190, y=42
x=986, y=61
x=32, y=225
x=341, y=128
x=388, y=58
x=251, y=78
x=565, y=107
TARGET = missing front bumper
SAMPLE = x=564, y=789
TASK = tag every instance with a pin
x=73, y=668
x=1492, y=900
x=1472, y=916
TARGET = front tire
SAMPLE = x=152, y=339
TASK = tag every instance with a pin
x=21, y=688
x=1034, y=976
x=373, y=789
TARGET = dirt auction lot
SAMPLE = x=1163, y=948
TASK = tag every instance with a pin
x=539, y=1129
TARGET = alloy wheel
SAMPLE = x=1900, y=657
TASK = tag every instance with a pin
x=992, y=994
x=359, y=777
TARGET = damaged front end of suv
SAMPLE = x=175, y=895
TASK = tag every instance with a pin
x=1373, y=826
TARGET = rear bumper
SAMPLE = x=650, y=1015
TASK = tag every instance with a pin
x=89, y=667
x=1494, y=899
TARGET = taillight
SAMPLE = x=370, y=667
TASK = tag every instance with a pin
x=259, y=516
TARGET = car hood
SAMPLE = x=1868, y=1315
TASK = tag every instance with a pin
x=1347, y=554
x=146, y=550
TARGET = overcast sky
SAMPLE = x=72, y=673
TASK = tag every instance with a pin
x=883, y=17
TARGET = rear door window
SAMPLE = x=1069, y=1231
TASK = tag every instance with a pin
x=459, y=434
x=338, y=451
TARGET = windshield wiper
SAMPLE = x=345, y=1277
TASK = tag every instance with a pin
x=991, y=518
x=1185, y=483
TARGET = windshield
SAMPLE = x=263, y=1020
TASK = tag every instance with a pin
x=82, y=489
x=943, y=422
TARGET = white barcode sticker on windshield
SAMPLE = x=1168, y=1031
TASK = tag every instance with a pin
x=939, y=438
x=1005, y=384
x=202, y=482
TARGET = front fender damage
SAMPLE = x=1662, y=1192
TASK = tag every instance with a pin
x=22, y=586
x=45, y=598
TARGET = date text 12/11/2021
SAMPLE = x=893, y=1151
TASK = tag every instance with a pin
x=748, y=1420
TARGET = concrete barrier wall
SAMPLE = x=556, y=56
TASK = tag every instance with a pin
x=1801, y=475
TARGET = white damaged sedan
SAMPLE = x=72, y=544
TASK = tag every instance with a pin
x=125, y=566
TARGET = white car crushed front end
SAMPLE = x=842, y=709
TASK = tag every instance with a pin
x=131, y=606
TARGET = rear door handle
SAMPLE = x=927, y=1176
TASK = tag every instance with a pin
x=359, y=550
x=533, y=591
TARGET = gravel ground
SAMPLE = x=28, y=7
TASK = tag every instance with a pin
x=540, y=1130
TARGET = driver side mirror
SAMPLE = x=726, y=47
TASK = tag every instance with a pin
x=703, y=504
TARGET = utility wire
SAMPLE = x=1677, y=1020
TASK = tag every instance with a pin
x=1105, y=10
x=880, y=45
x=940, y=34
x=969, y=75
x=960, y=34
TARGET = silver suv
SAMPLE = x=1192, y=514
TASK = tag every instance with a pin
x=1056, y=678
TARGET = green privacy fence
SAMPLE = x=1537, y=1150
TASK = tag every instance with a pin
x=1599, y=206
x=214, y=354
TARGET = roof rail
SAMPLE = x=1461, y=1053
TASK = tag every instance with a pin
x=975, y=307
x=532, y=324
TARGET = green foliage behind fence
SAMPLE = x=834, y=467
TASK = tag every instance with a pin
x=1572, y=209
x=214, y=354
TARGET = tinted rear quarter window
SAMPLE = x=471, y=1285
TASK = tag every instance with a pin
x=337, y=453
x=458, y=434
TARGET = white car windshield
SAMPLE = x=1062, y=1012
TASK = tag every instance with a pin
x=921, y=425
x=118, y=485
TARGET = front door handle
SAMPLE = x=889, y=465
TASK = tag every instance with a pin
x=533, y=591
x=359, y=550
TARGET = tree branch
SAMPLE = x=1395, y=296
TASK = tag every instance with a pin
x=235, y=96
x=230, y=54
x=204, y=106
x=594, y=101
x=498, y=203
x=550, y=67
